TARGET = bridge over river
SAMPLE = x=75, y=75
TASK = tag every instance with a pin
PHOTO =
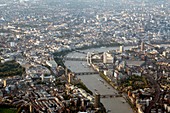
x=75, y=59
x=110, y=96
x=86, y=73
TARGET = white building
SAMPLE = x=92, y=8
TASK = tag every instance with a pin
x=51, y=63
x=107, y=58
x=121, y=49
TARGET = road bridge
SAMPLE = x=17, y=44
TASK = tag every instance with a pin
x=86, y=73
x=111, y=96
x=75, y=59
x=81, y=52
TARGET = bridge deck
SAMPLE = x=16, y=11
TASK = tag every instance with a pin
x=75, y=59
x=86, y=73
x=110, y=96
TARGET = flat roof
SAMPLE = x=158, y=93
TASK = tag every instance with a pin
x=134, y=63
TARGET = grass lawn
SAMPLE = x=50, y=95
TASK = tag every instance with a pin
x=7, y=110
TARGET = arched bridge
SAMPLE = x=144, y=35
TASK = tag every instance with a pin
x=86, y=73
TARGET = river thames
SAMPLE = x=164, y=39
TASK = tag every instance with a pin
x=96, y=84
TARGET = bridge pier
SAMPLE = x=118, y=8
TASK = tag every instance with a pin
x=86, y=73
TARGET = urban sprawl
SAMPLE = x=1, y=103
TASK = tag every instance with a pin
x=35, y=36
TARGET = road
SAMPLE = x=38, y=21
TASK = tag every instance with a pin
x=155, y=86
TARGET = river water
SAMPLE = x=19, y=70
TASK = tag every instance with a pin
x=96, y=84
